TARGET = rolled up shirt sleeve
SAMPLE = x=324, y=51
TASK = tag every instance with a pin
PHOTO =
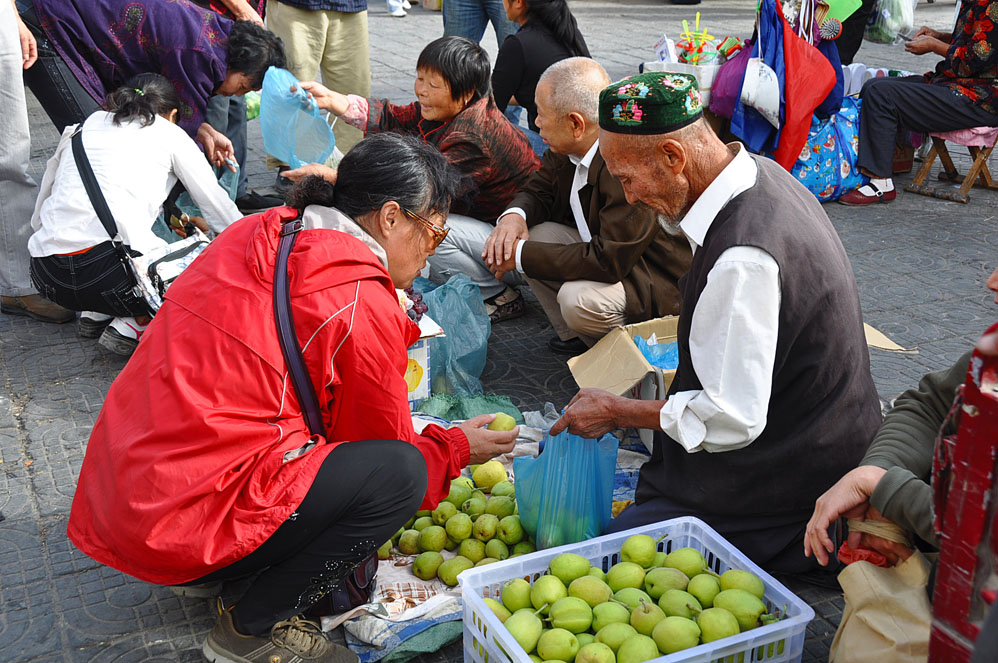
x=733, y=350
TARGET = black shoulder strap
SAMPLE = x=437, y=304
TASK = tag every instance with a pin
x=300, y=379
x=93, y=188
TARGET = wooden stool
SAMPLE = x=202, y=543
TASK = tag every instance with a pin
x=980, y=141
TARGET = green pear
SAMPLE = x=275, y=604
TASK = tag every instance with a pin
x=515, y=594
x=584, y=639
x=473, y=549
x=489, y=474
x=674, y=634
x=485, y=527
x=525, y=627
x=464, y=481
x=433, y=537
x=645, y=617
x=636, y=649
x=502, y=422
x=459, y=493
x=409, y=523
x=473, y=507
x=479, y=495
x=451, y=545
x=409, y=542
x=597, y=573
x=423, y=512
x=523, y=547
x=385, y=551
x=660, y=559
x=568, y=566
x=422, y=523
x=572, y=614
x=498, y=609
x=496, y=548
x=535, y=658
x=716, y=623
x=426, y=565
x=486, y=561
x=625, y=574
x=545, y=591
x=658, y=580
x=510, y=530
x=640, y=549
x=503, y=489
x=738, y=579
x=558, y=644
x=459, y=526
x=449, y=570
x=608, y=613
x=594, y=652
x=614, y=635
x=591, y=590
x=398, y=534
x=631, y=597
x=704, y=587
x=677, y=603
x=443, y=512
x=500, y=507
x=745, y=606
x=687, y=560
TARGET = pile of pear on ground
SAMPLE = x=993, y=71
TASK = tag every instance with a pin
x=478, y=521
x=647, y=605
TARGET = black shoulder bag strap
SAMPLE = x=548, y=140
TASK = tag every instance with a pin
x=300, y=379
x=95, y=194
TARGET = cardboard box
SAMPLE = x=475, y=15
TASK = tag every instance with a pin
x=417, y=374
x=616, y=365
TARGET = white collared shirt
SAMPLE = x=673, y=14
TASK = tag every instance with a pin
x=582, y=165
x=733, y=331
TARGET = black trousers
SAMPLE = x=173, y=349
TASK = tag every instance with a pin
x=364, y=492
x=774, y=541
x=65, y=101
x=852, y=32
x=91, y=281
x=890, y=104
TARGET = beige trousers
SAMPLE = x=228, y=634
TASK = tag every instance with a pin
x=329, y=42
x=586, y=309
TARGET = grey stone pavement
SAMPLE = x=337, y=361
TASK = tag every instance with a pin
x=920, y=264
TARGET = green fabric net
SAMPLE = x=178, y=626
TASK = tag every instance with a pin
x=453, y=408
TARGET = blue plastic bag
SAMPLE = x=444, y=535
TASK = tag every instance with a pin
x=458, y=359
x=661, y=355
x=227, y=179
x=565, y=494
x=293, y=127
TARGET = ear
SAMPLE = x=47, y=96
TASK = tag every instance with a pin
x=577, y=124
x=673, y=154
x=388, y=218
x=172, y=115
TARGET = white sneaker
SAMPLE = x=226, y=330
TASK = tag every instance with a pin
x=92, y=324
x=122, y=336
x=406, y=4
x=398, y=13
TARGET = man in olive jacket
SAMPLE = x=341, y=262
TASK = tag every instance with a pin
x=593, y=260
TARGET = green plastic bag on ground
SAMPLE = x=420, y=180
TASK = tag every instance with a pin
x=455, y=408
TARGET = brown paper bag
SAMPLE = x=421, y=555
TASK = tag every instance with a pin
x=887, y=615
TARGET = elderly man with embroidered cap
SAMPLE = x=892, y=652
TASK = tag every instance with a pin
x=773, y=399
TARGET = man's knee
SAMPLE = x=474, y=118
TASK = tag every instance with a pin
x=585, y=311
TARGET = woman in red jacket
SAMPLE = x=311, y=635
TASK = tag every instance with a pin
x=201, y=468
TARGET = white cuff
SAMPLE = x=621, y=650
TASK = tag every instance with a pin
x=514, y=210
x=680, y=423
x=519, y=250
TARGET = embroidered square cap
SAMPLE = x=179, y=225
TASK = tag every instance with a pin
x=650, y=103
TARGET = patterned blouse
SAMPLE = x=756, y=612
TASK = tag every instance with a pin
x=971, y=65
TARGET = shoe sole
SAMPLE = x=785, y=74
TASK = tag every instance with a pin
x=114, y=341
x=15, y=310
x=88, y=328
x=216, y=656
x=206, y=591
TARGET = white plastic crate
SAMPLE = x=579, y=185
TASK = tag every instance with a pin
x=487, y=641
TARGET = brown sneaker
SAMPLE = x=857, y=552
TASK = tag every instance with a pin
x=37, y=307
x=292, y=640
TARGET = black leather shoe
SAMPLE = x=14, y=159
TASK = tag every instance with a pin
x=573, y=346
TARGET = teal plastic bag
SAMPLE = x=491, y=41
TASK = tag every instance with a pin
x=458, y=359
x=565, y=494
x=227, y=179
x=293, y=127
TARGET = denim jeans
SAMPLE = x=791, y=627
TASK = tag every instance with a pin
x=469, y=18
x=91, y=281
x=228, y=116
x=513, y=114
x=461, y=253
x=17, y=189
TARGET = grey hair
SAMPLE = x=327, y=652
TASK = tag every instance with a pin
x=575, y=84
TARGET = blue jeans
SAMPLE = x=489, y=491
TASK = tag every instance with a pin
x=469, y=18
x=513, y=114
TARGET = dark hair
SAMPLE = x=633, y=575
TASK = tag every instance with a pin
x=463, y=64
x=252, y=50
x=142, y=98
x=558, y=19
x=381, y=168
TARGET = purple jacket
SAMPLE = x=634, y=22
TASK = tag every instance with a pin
x=106, y=42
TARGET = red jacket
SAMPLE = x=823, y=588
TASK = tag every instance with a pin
x=185, y=471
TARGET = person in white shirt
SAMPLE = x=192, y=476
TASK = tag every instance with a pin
x=137, y=153
x=773, y=399
x=594, y=260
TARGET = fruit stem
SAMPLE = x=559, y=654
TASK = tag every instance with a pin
x=693, y=609
x=662, y=538
x=540, y=609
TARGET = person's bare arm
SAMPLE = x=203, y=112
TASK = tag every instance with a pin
x=29, y=48
x=594, y=412
x=242, y=11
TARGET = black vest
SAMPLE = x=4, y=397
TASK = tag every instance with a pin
x=824, y=410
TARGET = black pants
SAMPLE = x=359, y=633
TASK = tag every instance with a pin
x=775, y=542
x=364, y=492
x=852, y=32
x=890, y=104
x=65, y=101
x=91, y=281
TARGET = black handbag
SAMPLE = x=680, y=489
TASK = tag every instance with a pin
x=358, y=587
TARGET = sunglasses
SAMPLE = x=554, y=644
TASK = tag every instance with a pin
x=438, y=232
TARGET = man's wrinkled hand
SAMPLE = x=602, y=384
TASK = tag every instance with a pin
x=592, y=413
x=500, y=247
x=485, y=444
x=849, y=498
x=926, y=44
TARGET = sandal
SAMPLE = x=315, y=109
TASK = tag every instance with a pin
x=507, y=305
